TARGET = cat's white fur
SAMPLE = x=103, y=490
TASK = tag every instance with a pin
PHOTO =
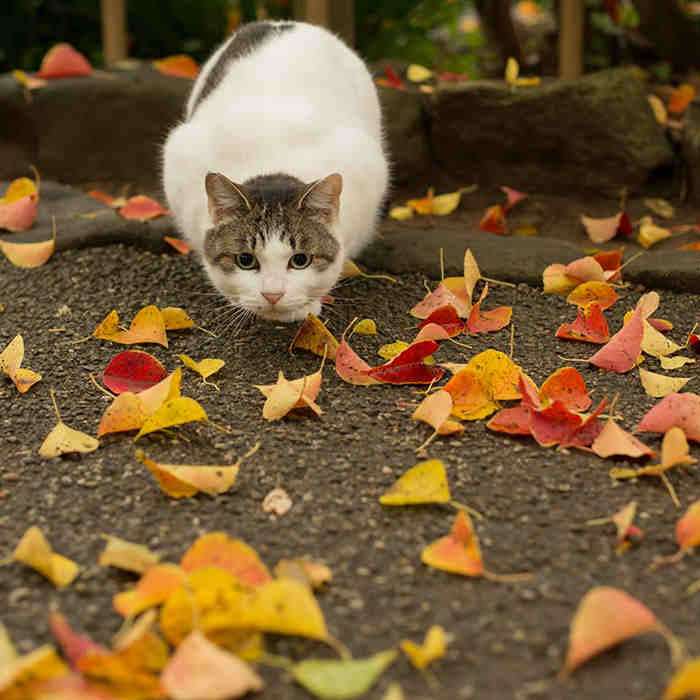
x=303, y=104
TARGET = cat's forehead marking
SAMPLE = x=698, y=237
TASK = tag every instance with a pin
x=243, y=42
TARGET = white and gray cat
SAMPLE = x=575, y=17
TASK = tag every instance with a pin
x=277, y=174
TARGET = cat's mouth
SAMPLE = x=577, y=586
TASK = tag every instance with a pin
x=285, y=315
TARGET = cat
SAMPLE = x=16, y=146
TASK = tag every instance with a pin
x=277, y=174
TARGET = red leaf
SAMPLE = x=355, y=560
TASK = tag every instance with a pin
x=553, y=424
x=408, y=366
x=133, y=370
x=392, y=78
x=513, y=197
x=446, y=317
x=590, y=326
x=588, y=431
x=528, y=390
x=486, y=321
x=694, y=342
x=514, y=421
x=682, y=410
x=625, y=226
x=63, y=61
x=350, y=367
x=73, y=645
x=610, y=260
x=180, y=245
x=568, y=386
x=142, y=208
x=494, y=220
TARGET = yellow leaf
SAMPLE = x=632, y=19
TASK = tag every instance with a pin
x=650, y=234
x=445, y=204
x=424, y=483
x=675, y=362
x=660, y=206
x=655, y=343
x=10, y=360
x=173, y=412
x=498, y=374
x=147, y=326
x=392, y=349
x=286, y=395
x=434, y=647
x=512, y=71
x=205, y=368
x=28, y=255
x=685, y=682
x=418, y=74
x=176, y=319
x=365, y=327
x=314, y=336
x=401, y=213
x=17, y=189
x=659, y=385
x=22, y=679
x=35, y=551
x=127, y=555
x=184, y=480
x=139, y=646
x=529, y=81
x=62, y=439
x=659, y=109
x=153, y=588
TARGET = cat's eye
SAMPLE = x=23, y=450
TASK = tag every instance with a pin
x=299, y=261
x=246, y=261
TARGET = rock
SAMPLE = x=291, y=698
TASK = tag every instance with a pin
x=107, y=127
x=406, y=129
x=595, y=133
x=82, y=221
x=691, y=150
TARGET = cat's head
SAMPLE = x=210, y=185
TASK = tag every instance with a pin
x=272, y=248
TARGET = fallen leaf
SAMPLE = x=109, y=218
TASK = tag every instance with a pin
x=392, y=349
x=277, y=501
x=133, y=370
x=286, y=395
x=600, y=293
x=655, y=343
x=568, y=386
x=458, y=552
x=176, y=319
x=602, y=230
x=181, y=246
x=114, y=202
x=331, y=679
x=29, y=255
x=314, y=336
x=140, y=646
x=173, y=412
x=424, y=483
x=25, y=676
x=35, y=551
x=8, y=653
x=408, y=367
x=63, y=61
x=235, y=556
x=685, y=682
x=73, y=645
x=200, y=669
x=401, y=213
x=494, y=220
x=435, y=410
x=470, y=399
x=675, y=362
x=586, y=269
x=434, y=647
x=682, y=410
x=604, y=618
x=441, y=297
x=682, y=96
x=365, y=327
x=661, y=207
x=498, y=374
x=142, y=208
x=418, y=74
x=513, y=421
x=350, y=367
x=613, y=440
x=590, y=326
x=128, y=556
x=10, y=360
x=554, y=424
x=152, y=589
x=29, y=82
x=512, y=71
x=18, y=207
x=305, y=571
x=487, y=321
x=147, y=326
x=659, y=109
x=179, y=66
x=556, y=281
x=688, y=527
x=185, y=480
x=650, y=234
x=63, y=440
x=447, y=318
x=205, y=368
x=659, y=385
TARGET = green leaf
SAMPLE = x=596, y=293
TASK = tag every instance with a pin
x=337, y=680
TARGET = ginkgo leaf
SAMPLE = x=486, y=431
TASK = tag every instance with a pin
x=365, y=327
x=73, y=645
x=435, y=410
x=220, y=550
x=18, y=208
x=514, y=421
x=350, y=367
x=401, y=213
x=470, y=399
x=688, y=527
x=447, y=318
x=307, y=572
x=64, y=61
x=142, y=208
x=434, y=647
x=568, y=386
x=487, y=321
x=176, y=319
x=173, y=412
x=8, y=653
x=133, y=370
x=601, y=230
x=35, y=551
x=30, y=255
x=10, y=360
x=114, y=202
x=140, y=646
x=181, y=246
x=392, y=349
x=556, y=281
x=659, y=385
x=152, y=589
x=554, y=424
x=200, y=669
x=605, y=617
x=146, y=327
x=613, y=440
x=62, y=439
x=179, y=66
x=458, y=552
x=498, y=374
x=600, y=293
x=342, y=679
x=514, y=196
x=205, y=368
x=685, y=682
x=512, y=71
x=408, y=367
x=424, y=483
x=682, y=410
x=675, y=362
x=286, y=395
x=314, y=336
x=655, y=343
x=185, y=480
x=494, y=220
x=590, y=325
x=25, y=676
x=650, y=234
x=128, y=556
x=586, y=269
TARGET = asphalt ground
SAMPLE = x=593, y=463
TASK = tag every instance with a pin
x=509, y=640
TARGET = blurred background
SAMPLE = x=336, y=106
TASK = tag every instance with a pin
x=468, y=37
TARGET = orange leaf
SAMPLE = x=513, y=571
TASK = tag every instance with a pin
x=435, y=410
x=682, y=96
x=605, y=617
x=147, y=326
x=235, y=556
x=688, y=527
x=494, y=220
x=590, y=325
x=601, y=230
x=179, y=66
x=556, y=281
x=63, y=61
x=152, y=589
x=424, y=205
x=682, y=410
x=458, y=552
x=440, y=297
x=180, y=245
x=19, y=205
x=142, y=208
x=600, y=293
x=471, y=401
x=487, y=321
x=568, y=386
x=314, y=336
x=110, y=201
x=613, y=440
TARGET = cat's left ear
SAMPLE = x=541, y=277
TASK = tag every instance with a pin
x=227, y=200
x=323, y=197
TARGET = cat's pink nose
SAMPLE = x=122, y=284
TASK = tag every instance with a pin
x=273, y=297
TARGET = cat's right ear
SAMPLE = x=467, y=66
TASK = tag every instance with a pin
x=227, y=200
